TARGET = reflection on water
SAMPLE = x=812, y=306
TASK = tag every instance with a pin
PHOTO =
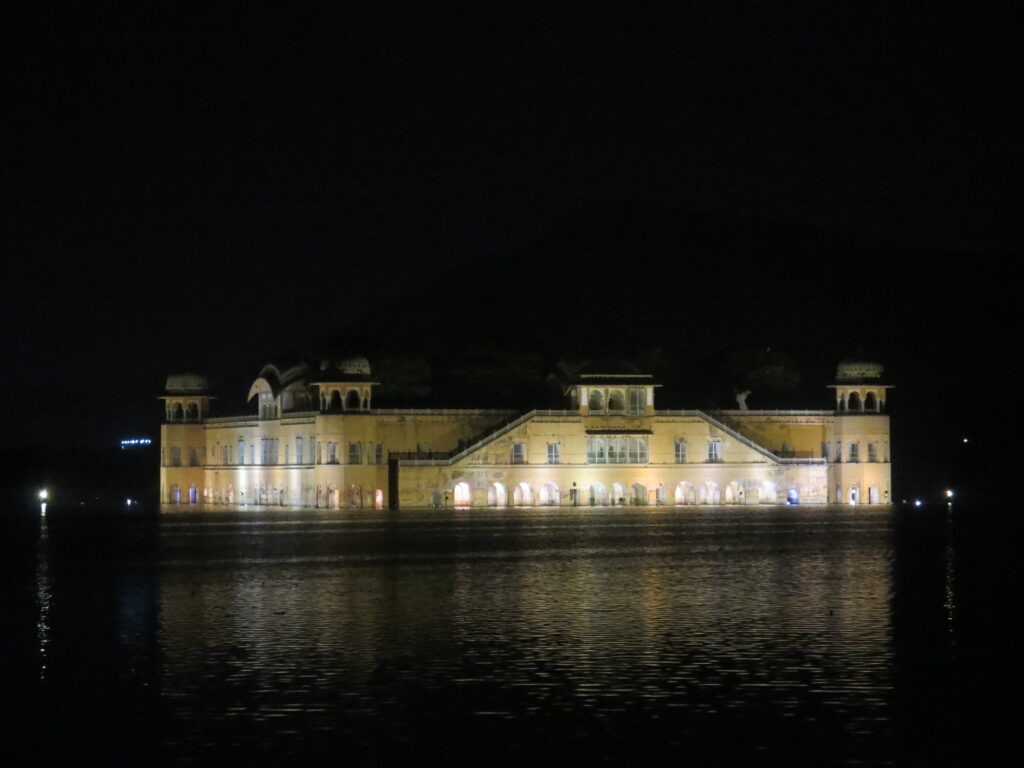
x=721, y=636
x=607, y=619
x=43, y=593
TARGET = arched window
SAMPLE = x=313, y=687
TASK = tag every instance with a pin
x=352, y=400
x=870, y=402
x=596, y=400
x=616, y=401
x=335, y=403
x=855, y=404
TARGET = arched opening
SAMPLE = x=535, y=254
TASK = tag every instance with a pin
x=333, y=497
x=768, y=493
x=497, y=496
x=598, y=495
x=870, y=402
x=352, y=400
x=462, y=495
x=872, y=494
x=596, y=400
x=231, y=494
x=192, y=412
x=522, y=496
x=710, y=493
x=354, y=496
x=177, y=413
x=734, y=493
x=618, y=493
x=792, y=497
x=854, y=495
x=335, y=402
x=176, y=494
x=616, y=401
x=855, y=403
x=639, y=494
x=549, y=495
x=378, y=498
x=685, y=493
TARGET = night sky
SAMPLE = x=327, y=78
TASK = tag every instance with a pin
x=217, y=190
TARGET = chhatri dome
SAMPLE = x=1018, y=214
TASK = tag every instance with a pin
x=858, y=370
x=357, y=366
x=187, y=383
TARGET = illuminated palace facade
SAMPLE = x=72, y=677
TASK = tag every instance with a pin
x=316, y=440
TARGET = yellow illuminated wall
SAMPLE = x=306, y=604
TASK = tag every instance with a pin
x=607, y=448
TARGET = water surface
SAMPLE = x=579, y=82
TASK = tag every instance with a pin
x=817, y=636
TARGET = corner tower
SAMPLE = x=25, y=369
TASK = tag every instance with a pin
x=859, y=457
x=187, y=401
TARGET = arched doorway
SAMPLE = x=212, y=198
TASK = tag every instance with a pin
x=639, y=496
x=872, y=494
x=354, y=496
x=768, y=493
x=176, y=494
x=462, y=495
x=733, y=493
x=618, y=493
x=333, y=497
x=792, y=497
x=522, y=496
x=710, y=493
x=549, y=495
x=598, y=495
x=685, y=493
x=854, y=495
x=497, y=496
x=378, y=498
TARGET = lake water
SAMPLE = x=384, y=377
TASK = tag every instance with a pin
x=714, y=636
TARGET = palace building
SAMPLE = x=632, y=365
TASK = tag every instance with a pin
x=315, y=439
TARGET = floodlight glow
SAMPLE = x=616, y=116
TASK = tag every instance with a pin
x=949, y=493
x=917, y=502
x=43, y=495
